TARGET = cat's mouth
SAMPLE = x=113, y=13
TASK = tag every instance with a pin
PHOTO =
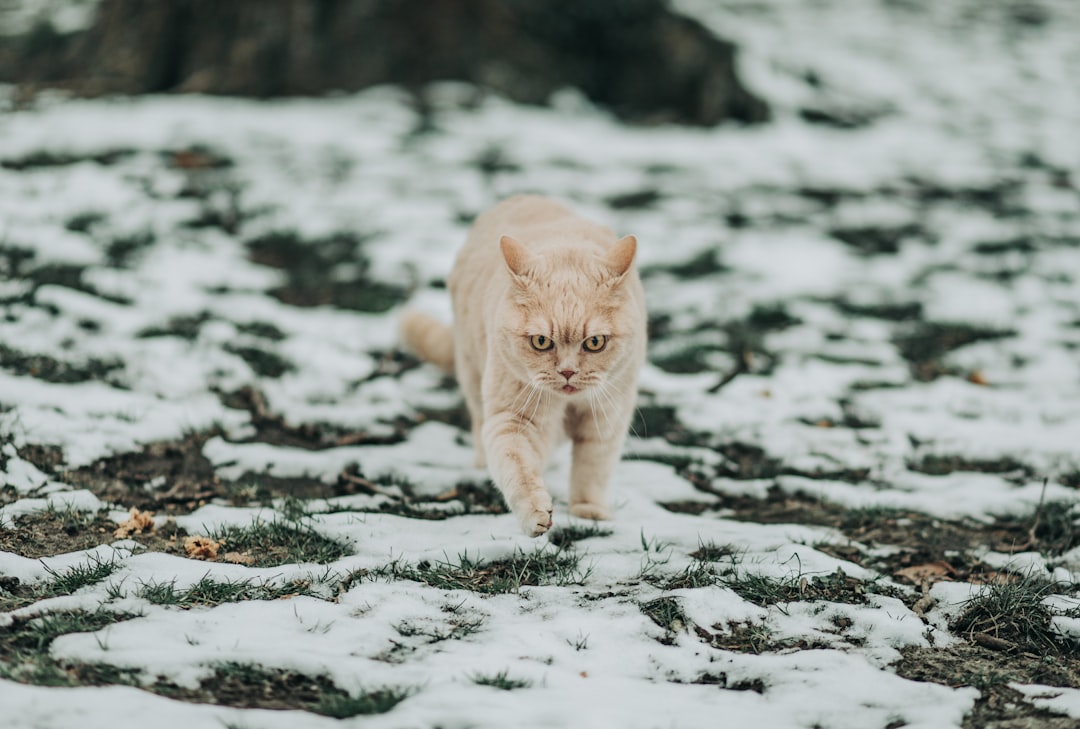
x=569, y=389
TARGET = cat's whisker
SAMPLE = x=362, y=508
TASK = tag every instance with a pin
x=524, y=392
x=606, y=391
x=539, y=400
x=604, y=388
x=533, y=390
x=592, y=408
x=601, y=390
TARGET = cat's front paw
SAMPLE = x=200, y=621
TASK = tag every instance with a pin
x=585, y=510
x=535, y=515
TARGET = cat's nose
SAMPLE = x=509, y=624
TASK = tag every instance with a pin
x=568, y=374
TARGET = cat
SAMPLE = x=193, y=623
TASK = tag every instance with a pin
x=548, y=338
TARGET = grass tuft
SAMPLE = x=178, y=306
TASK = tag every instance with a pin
x=81, y=575
x=539, y=567
x=832, y=587
x=500, y=680
x=376, y=701
x=210, y=592
x=16, y=595
x=1013, y=617
x=713, y=552
x=566, y=536
x=274, y=543
x=25, y=647
x=694, y=575
x=665, y=612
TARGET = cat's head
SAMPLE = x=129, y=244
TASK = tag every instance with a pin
x=571, y=319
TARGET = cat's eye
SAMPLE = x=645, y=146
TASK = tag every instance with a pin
x=541, y=343
x=595, y=343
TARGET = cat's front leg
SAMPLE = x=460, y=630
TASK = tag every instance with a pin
x=515, y=453
x=598, y=443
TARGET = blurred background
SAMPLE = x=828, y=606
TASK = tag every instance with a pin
x=635, y=56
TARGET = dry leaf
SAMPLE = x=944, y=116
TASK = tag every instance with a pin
x=976, y=377
x=238, y=558
x=930, y=572
x=201, y=547
x=136, y=523
x=448, y=495
x=995, y=578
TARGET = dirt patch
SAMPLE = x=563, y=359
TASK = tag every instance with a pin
x=272, y=428
x=43, y=159
x=120, y=252
x=637, y=200
x=835, y=587
x=889, y=311
x=940, y=465
x=16, y=263
x=925, y=345
x=920, y=539
x=706, y=263
x=50, y=369
x=874, y=241
x=53, y=532
x=329, y=271
x=169, y=476
x=263, y=362
x=991, y=671
x=184, y=327
x=752, y=638
x=743, y=340
x=496, y=577
x=1023, y=245
x=249, y=686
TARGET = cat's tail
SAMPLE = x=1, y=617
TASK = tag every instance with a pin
x=428, y=338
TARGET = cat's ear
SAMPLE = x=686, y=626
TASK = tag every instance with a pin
x=516, y=255
x=621, y=255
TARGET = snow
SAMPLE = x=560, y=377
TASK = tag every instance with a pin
x=967, y=104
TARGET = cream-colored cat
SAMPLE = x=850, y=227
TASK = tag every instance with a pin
x=547, y=341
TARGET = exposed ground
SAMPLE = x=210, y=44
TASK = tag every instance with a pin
x=850, y=495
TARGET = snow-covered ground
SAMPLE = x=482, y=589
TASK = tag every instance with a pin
x=899, y=250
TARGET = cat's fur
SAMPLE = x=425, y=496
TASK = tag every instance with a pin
x=533, y=267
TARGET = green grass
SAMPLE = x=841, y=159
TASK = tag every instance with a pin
x=713, y=552
x=376, y=701
x=665, y=612
x=831, y=587
x=63, y=582
x=696, y=574
x=210, y=592
x=762, y=590
x=500, y=680
x=250, y=685
x=566, y=536
x=25, y=648
x=539, y=567
x=81, y=575
x=458, y=627
x=274, y=543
